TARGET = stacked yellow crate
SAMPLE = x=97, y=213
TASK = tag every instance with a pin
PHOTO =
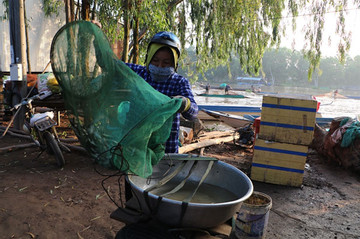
x=286, y=130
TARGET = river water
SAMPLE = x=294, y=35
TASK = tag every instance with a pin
x=329, y=107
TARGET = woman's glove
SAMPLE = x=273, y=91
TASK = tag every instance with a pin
x=185, y=104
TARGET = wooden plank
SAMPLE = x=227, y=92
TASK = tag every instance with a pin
x=291, y=100
x=289, y=117
x=278, y=163
x=215, y=134
x=295, y=136
x=279, y=160
x=288, y=120
x=276, y=177
x=283, y=146
x=206, y=143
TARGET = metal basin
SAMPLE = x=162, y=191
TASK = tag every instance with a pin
x=221, y=193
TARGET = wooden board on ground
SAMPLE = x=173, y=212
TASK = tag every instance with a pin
x=208, y=140
x=215, y=134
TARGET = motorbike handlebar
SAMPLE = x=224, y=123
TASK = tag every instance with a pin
x=25, y=101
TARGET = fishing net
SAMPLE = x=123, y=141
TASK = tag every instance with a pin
x=352, y=132
x=119, y=118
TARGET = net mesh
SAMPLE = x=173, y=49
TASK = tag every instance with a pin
x=119, y=118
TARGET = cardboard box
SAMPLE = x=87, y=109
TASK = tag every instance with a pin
x=278, y=163
x=287, y=119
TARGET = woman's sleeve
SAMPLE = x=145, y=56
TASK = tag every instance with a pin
x=185, y=90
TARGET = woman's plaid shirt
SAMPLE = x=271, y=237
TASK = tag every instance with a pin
x=175, y=85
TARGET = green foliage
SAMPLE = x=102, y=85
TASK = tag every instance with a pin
x=6, y=11
x=218, y=28
x=284, y=67
x=51, y=7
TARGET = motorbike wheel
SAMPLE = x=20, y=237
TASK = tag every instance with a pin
x=54, y=147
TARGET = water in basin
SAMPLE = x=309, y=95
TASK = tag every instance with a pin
x=206, y=193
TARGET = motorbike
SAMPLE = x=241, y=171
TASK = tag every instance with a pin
x=41, y=128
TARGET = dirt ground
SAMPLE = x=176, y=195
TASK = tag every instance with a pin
x=39, y=200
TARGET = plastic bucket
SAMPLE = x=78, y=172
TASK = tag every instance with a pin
x=252, y=219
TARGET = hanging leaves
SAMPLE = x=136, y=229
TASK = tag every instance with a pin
x=51, y=7
x=218, y=28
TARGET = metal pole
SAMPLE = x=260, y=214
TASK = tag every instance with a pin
x=18, y=54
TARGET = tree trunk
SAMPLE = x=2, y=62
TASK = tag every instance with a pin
x=93, y=15
x=173, y=4
x=77, y=12
x=69, y=10
x=85, y=10
x=125, y=54
x=136, y=42
x=27, y=42
x=136, y=50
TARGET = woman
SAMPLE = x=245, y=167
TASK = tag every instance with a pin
x=161, y=63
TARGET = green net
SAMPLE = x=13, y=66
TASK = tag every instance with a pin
x=119, y=118
x=352, y=132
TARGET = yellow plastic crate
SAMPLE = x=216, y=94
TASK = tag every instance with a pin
x=278, y=163
x=288, y=120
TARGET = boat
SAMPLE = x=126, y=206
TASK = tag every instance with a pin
x=228, y=109
x=222, y=95
x=235, y=121
x=324, y=122
x=222, y=88
x=251, y=83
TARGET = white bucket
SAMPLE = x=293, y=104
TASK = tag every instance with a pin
x=252, y=219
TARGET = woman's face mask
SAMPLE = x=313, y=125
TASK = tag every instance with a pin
x=160, y=73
